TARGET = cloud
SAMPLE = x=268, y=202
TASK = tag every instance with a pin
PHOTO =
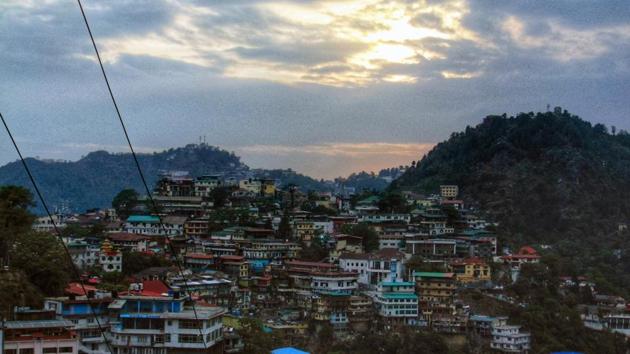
x=330, y=160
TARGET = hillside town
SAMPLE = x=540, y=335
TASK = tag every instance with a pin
x=225, y=253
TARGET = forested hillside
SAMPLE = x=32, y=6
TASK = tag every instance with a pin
x=545, y=176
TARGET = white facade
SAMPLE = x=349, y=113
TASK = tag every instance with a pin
x=335, y=283
x=509, y=339
x=378, y=218
x=111, y=262
x=356, y=265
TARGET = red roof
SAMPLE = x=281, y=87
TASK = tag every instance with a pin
x=231, y=258
x=199, y=256
x=76, y=289
x=527, y=250
x=154, y=288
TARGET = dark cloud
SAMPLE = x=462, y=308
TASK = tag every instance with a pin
x=56, y=101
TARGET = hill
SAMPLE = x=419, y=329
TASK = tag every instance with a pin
x=545, y=177
x=95, y=179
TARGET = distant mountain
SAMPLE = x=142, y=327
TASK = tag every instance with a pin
x=546, y=176
x=95, y=179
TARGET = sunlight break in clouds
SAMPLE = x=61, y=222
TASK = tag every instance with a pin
x=337, y=43
x=330, y=160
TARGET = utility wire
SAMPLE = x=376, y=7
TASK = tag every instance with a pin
x=135, y=159
x=57, y=231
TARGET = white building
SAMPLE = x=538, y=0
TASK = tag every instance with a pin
x=379, y=218
x=334, y=283
x=83, y=254
x=161, y=325
x=397, y=302
x=110, y=258
x=375, y=267
x=43, y=224
x=150, y=225
x=509, y=339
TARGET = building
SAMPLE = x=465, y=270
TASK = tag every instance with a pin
x=80, y=311
x=509, y=339
x=110, y=258
x=375, y=267
x=449, y=191
x=39, y=336
x=470, y=270
x=150, y=225
x=83, y=254
x=129, y=241
x=397, y=303
x=482, y=325
x=385, y=218
x=436, y=291
x=334, y=282
x=162, y=325
x=199, y=261
x=432, y=248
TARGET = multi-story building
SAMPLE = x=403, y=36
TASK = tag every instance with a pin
x=129, y=241
x=509, y=339
x=253, y=186
x=470, y=270
x=162, y=325
x=482, y=325
x=449, y=191
x=360, y=312
x=333, y=282
x=385, y=218
x=150, y=225
x=204, y=185
x=83, y=254
x=432, y=248
x=81, y=312
x=110, y=257
x=396, y=302
x=436, y=291
x=304, y=231
x=199, y=261
x=197, y=227
x=39, y=336
x=375, y=267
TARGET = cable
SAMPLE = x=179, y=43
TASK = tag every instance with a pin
x=54, y=224
x=135, y=159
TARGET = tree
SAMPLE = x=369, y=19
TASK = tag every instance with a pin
x=135, y=262
x=284, y=229
x=219, y=196
x=15, y=218
x=124, y=202
x=42, y=257
x=256, y=340
x=369, y=236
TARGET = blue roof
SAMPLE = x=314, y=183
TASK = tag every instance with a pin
x=143, y=218
x=288, y=350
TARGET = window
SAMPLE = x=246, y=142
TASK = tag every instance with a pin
x=27, y=351
x=49, y=350
x=190, y=338
x=65, y=350
x=190, y=324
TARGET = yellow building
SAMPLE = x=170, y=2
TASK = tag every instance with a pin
x=471, y=270
x=304, y=231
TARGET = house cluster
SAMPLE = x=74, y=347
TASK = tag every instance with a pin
x=285, y=257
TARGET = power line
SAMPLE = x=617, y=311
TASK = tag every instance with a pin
x=135, y=159
x=57, y=231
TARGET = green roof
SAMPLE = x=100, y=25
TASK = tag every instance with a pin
x=432, y=275
x=370, y=200
x=143, y=218
x=398, y=283
x=399, y=296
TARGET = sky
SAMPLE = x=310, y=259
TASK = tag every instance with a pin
x=323, y=87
